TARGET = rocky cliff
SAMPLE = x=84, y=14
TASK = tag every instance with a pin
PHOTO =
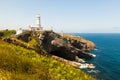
x=66, y=46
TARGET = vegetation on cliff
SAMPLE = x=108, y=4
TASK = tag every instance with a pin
x=6, y=33
x=18, y=63
x=21, y=60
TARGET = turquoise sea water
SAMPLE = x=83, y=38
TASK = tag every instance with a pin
x=107, y=58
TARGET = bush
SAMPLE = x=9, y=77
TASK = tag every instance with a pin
x=7, y=33
x=1, y=33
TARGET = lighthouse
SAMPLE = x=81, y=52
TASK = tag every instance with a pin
x=38, y=22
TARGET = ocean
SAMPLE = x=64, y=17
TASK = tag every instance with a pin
x=107, y=60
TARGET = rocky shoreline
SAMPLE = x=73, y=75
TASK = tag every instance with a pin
x=64, y=46
x=81, y=64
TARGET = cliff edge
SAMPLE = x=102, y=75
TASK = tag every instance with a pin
x=66, y=46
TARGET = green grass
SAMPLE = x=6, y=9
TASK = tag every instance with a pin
x=18, y=63
x=6, y=33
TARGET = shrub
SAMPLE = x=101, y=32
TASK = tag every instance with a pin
x=1, y=34
x=7, y=33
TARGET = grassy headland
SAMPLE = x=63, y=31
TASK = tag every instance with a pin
x=19, y=63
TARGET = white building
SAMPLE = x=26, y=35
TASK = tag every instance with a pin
x=31, y=28
x=20, y=30
x=38, y=24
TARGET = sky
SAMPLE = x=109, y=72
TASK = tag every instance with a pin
x=70, y=16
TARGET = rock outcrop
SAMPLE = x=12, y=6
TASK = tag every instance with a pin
x=79, y=42
x=66, y=47
x=63, y=47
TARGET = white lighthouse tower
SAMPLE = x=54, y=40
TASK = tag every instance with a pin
x=38, y=22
